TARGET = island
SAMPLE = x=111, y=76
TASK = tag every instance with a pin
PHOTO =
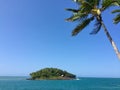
x=51, y=74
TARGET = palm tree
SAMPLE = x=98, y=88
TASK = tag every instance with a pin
x=91, y=10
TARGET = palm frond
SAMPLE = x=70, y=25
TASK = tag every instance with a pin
x=117, y=2
x=97, y=3
x=117, y=19
x=79, y=1
x=107, y=3
x=73, y=18
x=81, y=26
x=97, y=27
x=77, y=17
x=94, y=3
x=85, y=8
x=91, y=1
x=82, y=18
x=86, y=4
x=72, y=10
x=116, y=11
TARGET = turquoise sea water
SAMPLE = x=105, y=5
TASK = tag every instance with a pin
x=20, y=83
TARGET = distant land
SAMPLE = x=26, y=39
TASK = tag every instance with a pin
x=51, y=74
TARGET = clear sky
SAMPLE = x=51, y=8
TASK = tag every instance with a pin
x=35, y=35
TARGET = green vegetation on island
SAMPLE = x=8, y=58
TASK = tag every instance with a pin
x=51, y=74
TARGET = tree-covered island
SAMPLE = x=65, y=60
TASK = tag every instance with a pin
x=51, y=74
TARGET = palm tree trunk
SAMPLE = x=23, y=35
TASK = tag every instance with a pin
x=111, y=40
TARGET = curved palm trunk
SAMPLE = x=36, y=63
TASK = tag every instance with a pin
x=111, y=40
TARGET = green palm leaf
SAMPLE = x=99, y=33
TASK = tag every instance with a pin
x=72, y=10
x=108, y=3
x=97, y=2
x=77, y=17
x=73, y=18
x=117, y=19
x=83, y=3
x=81, y=26
x=116, y=11
x=94, y=3
x=97, y=27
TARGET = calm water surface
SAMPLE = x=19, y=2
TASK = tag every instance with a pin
x=20, y=83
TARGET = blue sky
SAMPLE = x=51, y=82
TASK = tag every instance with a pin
x=35, y=35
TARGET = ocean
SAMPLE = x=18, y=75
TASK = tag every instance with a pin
x=20, y=83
